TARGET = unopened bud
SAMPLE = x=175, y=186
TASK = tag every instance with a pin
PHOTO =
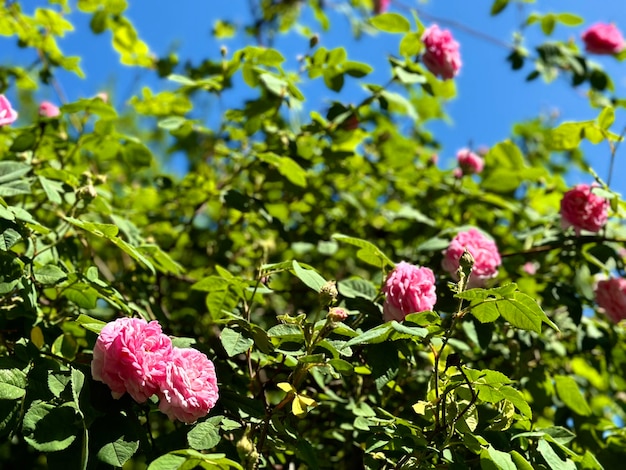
x=337, y=314
x=87, y=192
x=313, y=41
x=466, y=261
x=223, y=51
x=329, y=293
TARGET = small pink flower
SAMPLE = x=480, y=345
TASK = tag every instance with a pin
x=189, y=390
x=130, y=355
x=530, y=268
x=48, y=110
x=611, y=297
x=337, y=314
x=408, y=289
x=457, y=173
x=603, y=38
x=442, y=55
x=469, y=162
x=583, y=210
x=381, y=6
x=485, y=253
x=7, y=114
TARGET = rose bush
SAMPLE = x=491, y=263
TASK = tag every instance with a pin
x=237, y=216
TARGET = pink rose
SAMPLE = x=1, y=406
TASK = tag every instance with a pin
x=602, y=38
x=189, y=390
x=469, y=162
x=130, y=355
x=48, y=110
x=408, y=289
x=583, y=210
x=442, y=55
x=611, y=297
x=381, y=6
x=7, y=113
x=485, y=253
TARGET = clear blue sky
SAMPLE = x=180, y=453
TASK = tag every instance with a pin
x=491, y=97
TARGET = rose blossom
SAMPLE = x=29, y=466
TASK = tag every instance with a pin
x=408, y=289
x=7, y=113
x=583, y=210
x=189, y=390
x=48, y=110
x=485, y=253
x=442, y=55
x=469, y=161
x=130, y=355
x=611, y=296
x=603, y=38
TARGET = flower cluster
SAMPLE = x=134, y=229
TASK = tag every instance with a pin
x=442, y=55
x=483, y=250
x=135, y=357
x=583, y=210
x=408, y=289
x=611, y=297
x=7, y=114
x=603, y=38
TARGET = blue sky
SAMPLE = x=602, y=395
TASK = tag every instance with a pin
x=491, y=97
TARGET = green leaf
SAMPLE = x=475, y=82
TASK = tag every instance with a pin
x=606, y=117
x=11, y=171
x=502, y=459
x=567, y=136
x=409, y=330
x=53, y=189
x=82, y=295
x=411, y=45
x=569, y=19
x=368, y=252
x=570, y=394
x=49, y=274
x=498, y=6
x=520, y=462
x=205, y=436
x=235, y=342
x=48, y=427
x=354, y=288
x=391, y=23
x=486, y=312
x=548, y=22
x=12, y=384
x=286, y=167
x=376, y=335
x=9, y=238
x=552, y=458
x=118, y=452
x=309, y=276
x=24, y=141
